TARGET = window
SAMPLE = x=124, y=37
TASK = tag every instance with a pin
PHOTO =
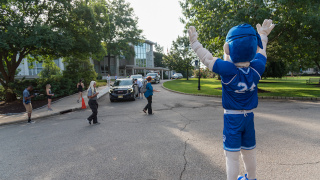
x=140, y=57
x=37, y=68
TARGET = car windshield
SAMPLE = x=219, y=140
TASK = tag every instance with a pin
x=122, y=83
x=136, y=76
x=151, y=74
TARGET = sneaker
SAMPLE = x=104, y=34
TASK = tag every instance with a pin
x=89, y=121
x=96, y=123
x=31, y=122
x=243, y=177
x=145, y=111
x=49, y=109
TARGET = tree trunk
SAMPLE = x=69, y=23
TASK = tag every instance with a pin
x=187, y=75
x=10, y=95
x=109, y=59
x=317, y=63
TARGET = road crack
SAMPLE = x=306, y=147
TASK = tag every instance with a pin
x=185, y=159
x=301, y=164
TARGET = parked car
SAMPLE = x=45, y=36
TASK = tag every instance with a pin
x=137, y=76
x=177, y=76
x=123, y=89
x=155, y=77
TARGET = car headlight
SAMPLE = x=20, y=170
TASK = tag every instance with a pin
x=110, y=90
x=131, y=90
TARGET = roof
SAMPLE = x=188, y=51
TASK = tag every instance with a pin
x=149, y=42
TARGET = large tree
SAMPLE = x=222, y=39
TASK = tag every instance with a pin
x=55, y=27
x=181, y=56
x=295, y=38
x=158, y=56
x=123, y=32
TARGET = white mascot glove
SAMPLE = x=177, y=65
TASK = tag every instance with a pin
x=264, y=31
x=266, y=27
x=204, y=55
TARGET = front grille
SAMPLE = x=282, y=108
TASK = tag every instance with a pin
x=120, y=92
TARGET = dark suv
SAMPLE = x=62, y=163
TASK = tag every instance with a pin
x=155, y=77
x=123, y=89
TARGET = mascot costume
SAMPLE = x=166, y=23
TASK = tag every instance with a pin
x=245, y=59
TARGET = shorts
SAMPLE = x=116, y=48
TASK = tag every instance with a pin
x=49, y=97
x=238, y=132
x=80, y=90
x=139, y=89
x=28, y=107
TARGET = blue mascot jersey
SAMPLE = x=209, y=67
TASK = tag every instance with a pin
x=239, y=85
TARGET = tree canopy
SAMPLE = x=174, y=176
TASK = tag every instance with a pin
x=295, y=38
x=181, y=56
x=57, y=28
x=158, y=56
x=123, y=31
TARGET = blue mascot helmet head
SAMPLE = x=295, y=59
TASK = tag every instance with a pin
x=243, y=41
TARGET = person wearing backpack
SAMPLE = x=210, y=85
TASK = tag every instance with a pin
x=148, y=93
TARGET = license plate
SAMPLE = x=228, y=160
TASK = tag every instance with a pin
x=120, y=96
x=120, y=91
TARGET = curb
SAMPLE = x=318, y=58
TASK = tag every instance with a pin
x=9, y=114
x=259, y=97
x=49, y=115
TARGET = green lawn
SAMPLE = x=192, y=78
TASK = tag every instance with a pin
x=287, y=86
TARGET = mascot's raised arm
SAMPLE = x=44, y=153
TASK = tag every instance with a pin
x=244, y=62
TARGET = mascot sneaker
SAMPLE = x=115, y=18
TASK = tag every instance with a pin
x=244, y=178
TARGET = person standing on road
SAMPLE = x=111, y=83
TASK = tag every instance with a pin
x=49, y=96
x=148, y=94
x=27, y=102
x=139, y=83
x=108, y=80
x=115, y=77
x=80, y=88
x=93, y=104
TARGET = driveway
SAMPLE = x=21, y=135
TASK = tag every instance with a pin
x=182, y=140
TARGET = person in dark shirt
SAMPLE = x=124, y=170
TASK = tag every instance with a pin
x=80, y=87
x=49, y=96
x=27, y=101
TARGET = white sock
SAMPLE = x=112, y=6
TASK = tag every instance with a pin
x=250, y=162
x=232, y=163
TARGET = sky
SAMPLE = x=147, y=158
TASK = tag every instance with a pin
x=159, y=20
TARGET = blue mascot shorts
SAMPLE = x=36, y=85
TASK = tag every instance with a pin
x=238, y=132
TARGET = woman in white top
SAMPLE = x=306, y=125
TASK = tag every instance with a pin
x=108, y=80
x=92, y=96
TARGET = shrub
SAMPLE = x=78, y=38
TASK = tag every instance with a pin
x=50, y=69
x=60, y=86
x=79, y=68
x=205, y=73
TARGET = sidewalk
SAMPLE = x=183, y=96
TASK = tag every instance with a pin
x=66, y=104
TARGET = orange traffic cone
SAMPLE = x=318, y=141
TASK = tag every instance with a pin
x=83, y=104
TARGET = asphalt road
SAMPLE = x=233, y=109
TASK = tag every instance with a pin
x=182, y=140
